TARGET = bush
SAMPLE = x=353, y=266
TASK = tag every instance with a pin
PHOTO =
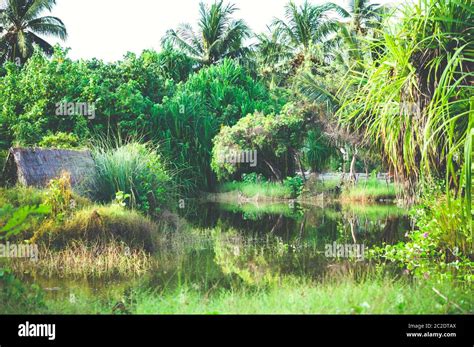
x=188, y=121
x=59, y=195
x=272, y=136
x=253, y=178
x=295, y=184
x=21, y=196
x=134, y=169
x=60, y=140
x=23, y=209
x=441, y=245
x=21, y=212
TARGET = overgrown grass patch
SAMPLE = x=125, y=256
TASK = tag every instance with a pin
x=369, y=190
x=258, y=190
x=101, y=224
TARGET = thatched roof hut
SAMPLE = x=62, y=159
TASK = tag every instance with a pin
x=37, y=166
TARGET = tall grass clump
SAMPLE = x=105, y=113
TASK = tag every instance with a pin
x=135, y=169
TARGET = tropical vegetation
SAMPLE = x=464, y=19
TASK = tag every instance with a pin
x=227, y=160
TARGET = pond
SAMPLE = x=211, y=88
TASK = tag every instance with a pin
x=218, y=245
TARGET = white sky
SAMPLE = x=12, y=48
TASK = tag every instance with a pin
x=107, y=29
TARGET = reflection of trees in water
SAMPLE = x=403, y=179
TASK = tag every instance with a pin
x=258, y=261
x=260, y=247
x=316, y=224
x=370, y=231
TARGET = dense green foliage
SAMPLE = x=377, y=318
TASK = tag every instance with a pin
x=414, y=99
x=123, y=95
x=275, y=139
x=187, y=122
x=325, y=89
x=136, y=97
x=439, y=248
x=60, y=140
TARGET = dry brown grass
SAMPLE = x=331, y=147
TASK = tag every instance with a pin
x=82, y=260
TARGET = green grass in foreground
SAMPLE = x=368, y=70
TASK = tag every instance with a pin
x=348, y=297
x=262, y=189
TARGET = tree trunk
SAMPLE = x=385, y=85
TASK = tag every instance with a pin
x=300, y=164
x=352, y=174
x=366, y=167
x=274, y=170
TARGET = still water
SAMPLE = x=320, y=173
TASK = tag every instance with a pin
x=226, y=245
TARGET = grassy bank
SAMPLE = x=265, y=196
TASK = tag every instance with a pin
x=371, y=190
x=74, y=236
x=257, y=191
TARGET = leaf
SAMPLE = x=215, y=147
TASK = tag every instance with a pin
x=17, y=222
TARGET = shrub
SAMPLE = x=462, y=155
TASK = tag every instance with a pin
x=60, y=140
x=22, y=210
x=274, y=137
x=59, y=195
x=253, y=177
x=18, y=221
x=20, y=196
x=296, y=185
x=441, y=245
x=187, y=122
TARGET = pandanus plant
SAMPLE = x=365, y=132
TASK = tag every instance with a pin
x=414, y=100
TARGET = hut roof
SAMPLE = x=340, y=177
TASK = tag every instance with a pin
x=37, y=166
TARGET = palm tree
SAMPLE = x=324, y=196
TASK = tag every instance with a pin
x=21, y=27
x=218, y=35
x=308, y=25
x=272, y=51
x=272, y=47
x=364, y=15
